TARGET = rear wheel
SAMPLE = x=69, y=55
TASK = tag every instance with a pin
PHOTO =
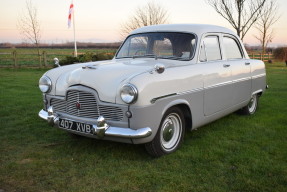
x=169, y=135
x=252, y=106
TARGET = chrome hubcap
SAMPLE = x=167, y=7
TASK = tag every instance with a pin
x=171, y=131
x=168, y=131
x=252, y=104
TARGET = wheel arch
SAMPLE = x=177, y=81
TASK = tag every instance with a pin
x=184, y=106
x=258, y=92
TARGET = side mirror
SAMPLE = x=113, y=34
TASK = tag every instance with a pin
x=159, y=68
x=57, y=62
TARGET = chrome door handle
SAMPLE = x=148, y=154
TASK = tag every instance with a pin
x=226, y=65
x=247, y=63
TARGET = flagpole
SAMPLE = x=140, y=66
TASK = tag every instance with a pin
x=75, y=42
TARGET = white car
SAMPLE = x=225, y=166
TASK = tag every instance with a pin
x=164, y=80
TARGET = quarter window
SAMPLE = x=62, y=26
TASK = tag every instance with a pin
x=231, y=47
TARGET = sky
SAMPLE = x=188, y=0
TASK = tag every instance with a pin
x=100, y=21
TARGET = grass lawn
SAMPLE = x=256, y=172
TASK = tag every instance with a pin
x=235, y=153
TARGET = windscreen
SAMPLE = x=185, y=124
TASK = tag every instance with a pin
x=178, y=46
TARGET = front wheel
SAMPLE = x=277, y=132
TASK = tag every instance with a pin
x=169, y=135
x=252, y=106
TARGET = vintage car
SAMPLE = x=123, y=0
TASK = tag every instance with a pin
x=163, y=80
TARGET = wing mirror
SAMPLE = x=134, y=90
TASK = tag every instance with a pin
x=159, y=68
x=57, y=62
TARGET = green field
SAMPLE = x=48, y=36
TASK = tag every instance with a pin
x=234, y=154
x=29, y=56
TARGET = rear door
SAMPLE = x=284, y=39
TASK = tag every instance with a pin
x=240, y=66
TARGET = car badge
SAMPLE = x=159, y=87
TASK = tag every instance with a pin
x=78, y=105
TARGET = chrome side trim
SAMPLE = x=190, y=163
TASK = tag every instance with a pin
x=242, y=79
x=190, y=91
x=258, y=76
x=102, y=129
x=161, y=97
x=209, y=87
x=179, y=93
x=219, y=84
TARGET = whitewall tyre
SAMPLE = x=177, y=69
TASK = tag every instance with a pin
x=169, y=135
x=252, y=106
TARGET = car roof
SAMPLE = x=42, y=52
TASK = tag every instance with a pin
x=197, y=29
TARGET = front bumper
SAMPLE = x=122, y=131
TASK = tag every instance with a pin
x=101, y=129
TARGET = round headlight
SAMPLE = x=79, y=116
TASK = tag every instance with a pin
x=129, y=93
x=45, y=84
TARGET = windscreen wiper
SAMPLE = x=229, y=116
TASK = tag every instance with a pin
x=174, y=58
x=146, y=55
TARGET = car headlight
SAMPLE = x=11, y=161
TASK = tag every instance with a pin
x=45, y=84
x=129, y=93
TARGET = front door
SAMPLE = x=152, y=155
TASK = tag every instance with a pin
x=218, y=86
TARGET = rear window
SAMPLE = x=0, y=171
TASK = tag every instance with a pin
x=232, y=49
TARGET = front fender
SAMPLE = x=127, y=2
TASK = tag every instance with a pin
x=152, y=114
x=173, y=81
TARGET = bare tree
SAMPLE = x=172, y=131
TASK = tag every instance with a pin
x=269, y=16
x=150, y=14
x=29, y=25
x=241, y=14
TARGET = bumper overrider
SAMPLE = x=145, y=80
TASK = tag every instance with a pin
x=101, y=129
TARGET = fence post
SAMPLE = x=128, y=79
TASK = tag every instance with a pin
x=45, y=58
x=40, y=60
x=269, y=56
x=261, y=58
x=15, y=58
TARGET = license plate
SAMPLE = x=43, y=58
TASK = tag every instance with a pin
x=76, y=126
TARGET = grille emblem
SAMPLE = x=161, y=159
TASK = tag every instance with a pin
x=78, y=105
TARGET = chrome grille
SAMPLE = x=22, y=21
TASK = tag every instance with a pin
x=89, y=107
x=110, y=112
x=59, y=105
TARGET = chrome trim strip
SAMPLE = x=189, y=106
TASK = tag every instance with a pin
x=209, y=87
x=242, y=79
x=190, y=91
x=258, y=76
x=108, y=131
x=161, y=97
x=219, y=84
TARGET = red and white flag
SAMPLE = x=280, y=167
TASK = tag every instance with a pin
x=71, y=10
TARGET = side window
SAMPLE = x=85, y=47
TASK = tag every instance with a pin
x=231, y=47
x=211, y=48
